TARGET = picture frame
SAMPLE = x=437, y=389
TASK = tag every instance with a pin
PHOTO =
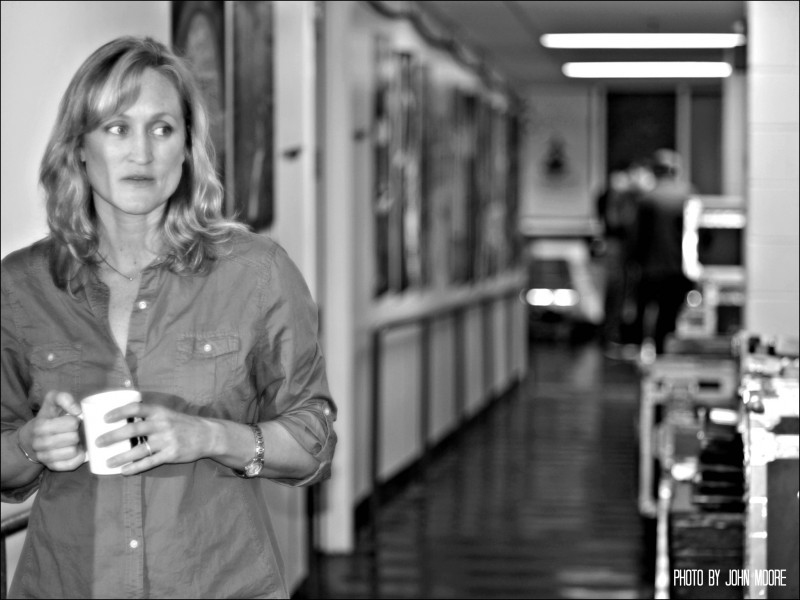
x=385, y=208
x=251, y=186
x=216, y=36
x=198, y=34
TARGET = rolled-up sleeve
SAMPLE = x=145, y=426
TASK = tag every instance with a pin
x=289, y=367
x=14, y=382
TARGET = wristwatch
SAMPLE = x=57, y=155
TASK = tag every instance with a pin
x=253, y=468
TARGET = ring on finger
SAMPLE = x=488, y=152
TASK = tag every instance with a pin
x=149, y=449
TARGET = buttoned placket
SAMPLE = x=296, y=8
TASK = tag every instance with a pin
x=133, y=571
x=133, y=485
x=134, y=536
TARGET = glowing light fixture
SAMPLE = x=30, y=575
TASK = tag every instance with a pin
x=612, y=70
x=565, y=297
x=724, y=416
x=539, y=297
x=642, y=40
x=547, y=297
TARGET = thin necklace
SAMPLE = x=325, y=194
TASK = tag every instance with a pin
x=113, y=268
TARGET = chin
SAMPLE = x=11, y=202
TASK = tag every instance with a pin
x=140, y=207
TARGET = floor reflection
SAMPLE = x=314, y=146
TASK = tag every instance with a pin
x=535, y=500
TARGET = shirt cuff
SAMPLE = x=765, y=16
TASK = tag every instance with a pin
x=313, y=430
x=20, y=494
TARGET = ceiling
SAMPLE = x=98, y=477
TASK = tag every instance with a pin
x=505, y=33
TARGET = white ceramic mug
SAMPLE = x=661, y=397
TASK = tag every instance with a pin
x=94, y=410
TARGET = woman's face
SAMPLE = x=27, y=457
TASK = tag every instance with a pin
x=134, y=158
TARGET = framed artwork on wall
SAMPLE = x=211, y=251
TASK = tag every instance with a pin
x=409, y=162
x=437, y=169
x=462, y=150
x=199, y=33
x=385, y=207
x=445, y=164
x=512, y=196
x=253, y=100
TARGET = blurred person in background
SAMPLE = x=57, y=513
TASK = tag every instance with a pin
x=617, y=208
x=658, y=250
x=142, y=284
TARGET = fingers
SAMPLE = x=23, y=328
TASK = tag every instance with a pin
x=58, y=434
x=132, y=410
x=137, y=460
x=125, y=432
x=61, y=454
x=54, y=433
x=69, y=464
x=140, y=466
x=57, y=403
x=55, y=425
x=59, y=451
x=57, y=441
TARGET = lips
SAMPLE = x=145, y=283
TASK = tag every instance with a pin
x=138, y=180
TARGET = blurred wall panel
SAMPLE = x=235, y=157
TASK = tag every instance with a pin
x=773, y=242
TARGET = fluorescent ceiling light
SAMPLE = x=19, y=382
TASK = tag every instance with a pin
x=642, y=40
x=613, y=70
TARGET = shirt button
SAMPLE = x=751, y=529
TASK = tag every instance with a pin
x=134, y=544
x=142, y=305
x=127, y=383
x=207, y=348
x=51, y=357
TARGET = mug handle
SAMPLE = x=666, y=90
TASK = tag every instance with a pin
x=85, y=449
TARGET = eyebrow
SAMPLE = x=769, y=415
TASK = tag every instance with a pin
x=153, y=117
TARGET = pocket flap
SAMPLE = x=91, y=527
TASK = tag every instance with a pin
x=51, y=356
x=207, y=345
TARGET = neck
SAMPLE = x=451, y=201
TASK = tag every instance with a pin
x=124, y=236
x=129, y=243
x=126, y=256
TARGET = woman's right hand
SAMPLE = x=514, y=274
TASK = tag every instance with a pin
x=52, y=436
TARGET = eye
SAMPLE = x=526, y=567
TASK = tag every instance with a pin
x=116, y=129
x=163, y=130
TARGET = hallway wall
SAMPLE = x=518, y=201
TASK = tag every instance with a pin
x=570, y=115
x=772, y=256
x=43, y=43
x=351, y=310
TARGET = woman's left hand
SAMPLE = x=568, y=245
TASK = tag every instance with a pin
x=172, y=437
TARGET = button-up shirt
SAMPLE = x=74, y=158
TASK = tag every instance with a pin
x=239, y=343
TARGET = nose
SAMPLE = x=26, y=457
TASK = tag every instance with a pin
x=141, y=149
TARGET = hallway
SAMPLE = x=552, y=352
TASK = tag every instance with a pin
x=536, y=499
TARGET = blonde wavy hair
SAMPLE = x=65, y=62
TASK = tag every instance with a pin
x=194, y=231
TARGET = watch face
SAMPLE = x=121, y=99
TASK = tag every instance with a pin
x=253, y=469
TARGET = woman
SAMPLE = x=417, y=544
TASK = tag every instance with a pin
x=141, y=284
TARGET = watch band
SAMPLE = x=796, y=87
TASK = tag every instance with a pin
x=253, y=468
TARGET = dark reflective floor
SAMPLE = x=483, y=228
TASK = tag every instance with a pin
x=537, y=499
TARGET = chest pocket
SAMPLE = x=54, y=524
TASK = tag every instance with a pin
x=206, y=365
x=54, y=367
